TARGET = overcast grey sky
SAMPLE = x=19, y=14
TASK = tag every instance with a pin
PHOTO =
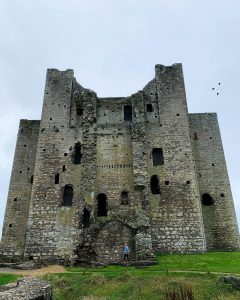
x=113, y=47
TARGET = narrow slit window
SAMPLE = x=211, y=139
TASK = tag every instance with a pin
x=195, y=136
x=77, y=155
x=31, y=180
x=155, y=188
x=86, y=218
x=67, y=195
x=56, y=178
x=124, y=198
x=128, y=113
x=157, y=156
x=102, y=205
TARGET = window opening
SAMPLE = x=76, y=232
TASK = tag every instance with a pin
x=63, y=168
x=207, y=200
x=222, y=195
x=86, y=217
x=149, y=108
x=56, y=178
x=155, y=188
x=77, y=155
x=31, y=180
x=195, y=137
x=128, y=113
x=79, y=111
x=102, y=205
x=67, y=195
x=157, y=156
x=124, y=198
x=167, y=182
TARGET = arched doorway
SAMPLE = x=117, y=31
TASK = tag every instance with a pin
x=110, y=240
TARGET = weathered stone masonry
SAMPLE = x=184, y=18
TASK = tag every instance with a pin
x=97, y=172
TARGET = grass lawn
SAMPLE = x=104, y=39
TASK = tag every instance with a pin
x=171, y=274
x=69, y=286
x=7, y=278
x=220, y=262
x=154, y=282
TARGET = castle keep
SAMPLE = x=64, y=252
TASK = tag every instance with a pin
x=94, y=173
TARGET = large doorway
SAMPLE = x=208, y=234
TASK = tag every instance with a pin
x=110, y=241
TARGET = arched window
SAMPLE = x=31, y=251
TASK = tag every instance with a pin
x=207, y=200
x=124, y=198
x=67, y=195
x=149, y=108
x=86, y=217
x=102, y=205
x=77, y=155
x=155, y=188
x=128, y=113
x=157, y=156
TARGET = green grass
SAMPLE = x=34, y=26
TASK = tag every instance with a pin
x=75, y=286
x=7, y=278
x=228, y=262
x=118, y=282
x=129, y=283
x=220, y=262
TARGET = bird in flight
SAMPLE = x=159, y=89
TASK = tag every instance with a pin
x=217, y=94
x=213, y=89
x=219, y=83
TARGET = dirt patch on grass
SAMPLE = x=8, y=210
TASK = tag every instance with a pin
x=36, y=272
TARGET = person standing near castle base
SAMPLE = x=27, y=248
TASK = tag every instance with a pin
x=125, y=252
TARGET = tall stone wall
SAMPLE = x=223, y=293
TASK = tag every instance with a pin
x=53, y=228
x=19, y=195
x=176, y=212
x=94, y=175
x=218, y=214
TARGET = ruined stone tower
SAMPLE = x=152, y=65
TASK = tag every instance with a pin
x=94, y=173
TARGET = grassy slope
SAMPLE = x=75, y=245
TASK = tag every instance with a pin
x=114, y=282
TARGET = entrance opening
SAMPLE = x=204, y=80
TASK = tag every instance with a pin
x=128, y=113
x=86, y=217
x=67, y=195
x=157, y=156
x=102, y=205
x=207, y=200
x=77, y=155
x=124, y=198
x=155, y=188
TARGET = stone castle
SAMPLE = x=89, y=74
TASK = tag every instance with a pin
x=94, y=173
